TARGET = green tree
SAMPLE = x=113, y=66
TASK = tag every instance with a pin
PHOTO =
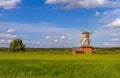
x=17, y=45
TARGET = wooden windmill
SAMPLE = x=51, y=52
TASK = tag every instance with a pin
x=85, y=44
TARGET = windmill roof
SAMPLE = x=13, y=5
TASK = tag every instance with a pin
x=76, y=49
x=85, y=32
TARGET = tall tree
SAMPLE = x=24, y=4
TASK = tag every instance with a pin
x=17, y=45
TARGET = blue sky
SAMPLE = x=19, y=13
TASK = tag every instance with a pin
x=59, y=23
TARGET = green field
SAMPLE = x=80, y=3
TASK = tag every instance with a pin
x=37, y=65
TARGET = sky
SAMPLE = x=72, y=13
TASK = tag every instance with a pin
x=59, y=23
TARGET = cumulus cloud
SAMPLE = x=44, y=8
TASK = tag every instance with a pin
x=3, y=35
x=70, y=4
x=38, y=43
x=115, y=39
x=51, y=36
x=10, y=30
x=110, y=15
x=70, y=38
x=9, y=41
x=55, y=36
x=9, y=4
x=107, y=44
x=56, y=40
x=2, y=41
x=63, y=37
x=47, y=37
x=97, y=14
x=105, y=13
x=114, y=24
x=45, y=34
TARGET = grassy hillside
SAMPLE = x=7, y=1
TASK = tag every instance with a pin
x=36, y=65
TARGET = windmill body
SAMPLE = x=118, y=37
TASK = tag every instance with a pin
x=85, y=38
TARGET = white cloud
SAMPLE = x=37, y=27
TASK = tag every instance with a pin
x=63, y=37
x=70, y=4
x=2, y=41
x=9, y=4
x=107, y=44
x=114, y=34
x=5, y=41
x=110, y=15
x=97, y=14
x=56, y=40
x=10, y=30
x=105, y=13
x=38, y=43
x=10, y=36
x=9, y=41
x=30, y=42
x=114, y=24
x=59, y=35
x=36, y=35
x=3, y=35
x=47, y=37
x=115, y=39
x=56, y=36
x=70, y=38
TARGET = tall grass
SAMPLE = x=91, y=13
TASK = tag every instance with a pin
x=35, y=65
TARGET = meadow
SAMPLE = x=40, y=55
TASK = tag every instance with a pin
x=58, y=65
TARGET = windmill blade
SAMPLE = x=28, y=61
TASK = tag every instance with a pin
x=91, y=32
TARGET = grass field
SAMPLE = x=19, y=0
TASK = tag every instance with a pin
x=36, y=65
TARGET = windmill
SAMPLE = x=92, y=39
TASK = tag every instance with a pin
x=85, y=47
